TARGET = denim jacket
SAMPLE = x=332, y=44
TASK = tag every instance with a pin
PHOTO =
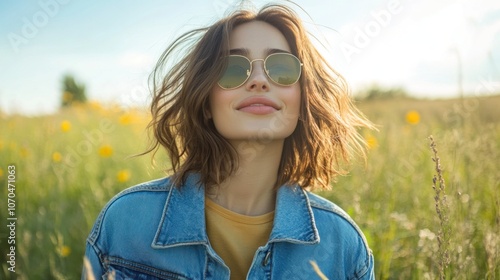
x=156, y=231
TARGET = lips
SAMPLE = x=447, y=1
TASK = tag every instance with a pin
x=258, y=105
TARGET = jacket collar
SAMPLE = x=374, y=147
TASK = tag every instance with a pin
x=294, y=218
x=183, y=218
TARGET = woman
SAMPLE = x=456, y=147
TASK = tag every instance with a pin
x=251, y=117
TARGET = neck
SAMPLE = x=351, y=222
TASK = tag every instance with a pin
x=250, y=191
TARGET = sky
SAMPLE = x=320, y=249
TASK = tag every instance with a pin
x=111, y=46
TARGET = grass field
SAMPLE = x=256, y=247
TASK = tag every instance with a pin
x=68, y=165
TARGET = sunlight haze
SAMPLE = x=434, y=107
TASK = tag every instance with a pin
x=112, y=46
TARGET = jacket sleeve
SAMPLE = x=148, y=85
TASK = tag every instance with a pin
x=92, y=266
x=363, y=259
x=370, y=273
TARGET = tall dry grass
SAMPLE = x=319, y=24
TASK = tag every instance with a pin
x=442, y=209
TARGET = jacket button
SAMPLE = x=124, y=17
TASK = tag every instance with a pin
x=265, y=261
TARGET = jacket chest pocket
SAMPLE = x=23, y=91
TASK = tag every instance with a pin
x=120, y=269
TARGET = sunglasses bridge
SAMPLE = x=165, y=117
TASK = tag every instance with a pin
x=249, y=71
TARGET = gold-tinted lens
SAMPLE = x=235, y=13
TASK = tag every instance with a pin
x=284, y=69
x=236, y=73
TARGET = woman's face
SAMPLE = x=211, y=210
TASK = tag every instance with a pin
x=259, y=109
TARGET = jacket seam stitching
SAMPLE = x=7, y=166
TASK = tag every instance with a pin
x=349, y=220
x=362, y=272
x=311, y=214
x=142, y=268
x=155, y=243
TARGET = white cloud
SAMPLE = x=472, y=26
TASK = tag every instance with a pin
x=424, y=35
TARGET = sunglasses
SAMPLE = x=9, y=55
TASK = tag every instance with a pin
x=282, y=68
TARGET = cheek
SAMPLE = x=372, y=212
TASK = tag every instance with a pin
x=287, y=121
x=217, y=99
x=220, y=107
x=292, y=98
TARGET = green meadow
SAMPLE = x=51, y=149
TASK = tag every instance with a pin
x=69, y=164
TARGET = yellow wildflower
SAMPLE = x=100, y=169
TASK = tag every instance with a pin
x=371, y=141
x=65, y=126
x=125, y=119
x=64, y=251
x=56, y=157
x=1, y=173
x=105, y=151
x=412, y=117
x=123, y=176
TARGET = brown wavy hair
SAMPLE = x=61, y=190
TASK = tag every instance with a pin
x=326, y=135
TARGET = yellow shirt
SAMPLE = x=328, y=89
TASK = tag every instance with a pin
x=236, y=237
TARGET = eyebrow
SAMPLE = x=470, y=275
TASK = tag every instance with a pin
x=245, y=52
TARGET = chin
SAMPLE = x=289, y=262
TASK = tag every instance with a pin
x=262, y=131
x=263, y=135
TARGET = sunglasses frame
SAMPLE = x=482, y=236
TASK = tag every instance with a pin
x=249, y=72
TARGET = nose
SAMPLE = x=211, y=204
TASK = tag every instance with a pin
x=258, y=79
